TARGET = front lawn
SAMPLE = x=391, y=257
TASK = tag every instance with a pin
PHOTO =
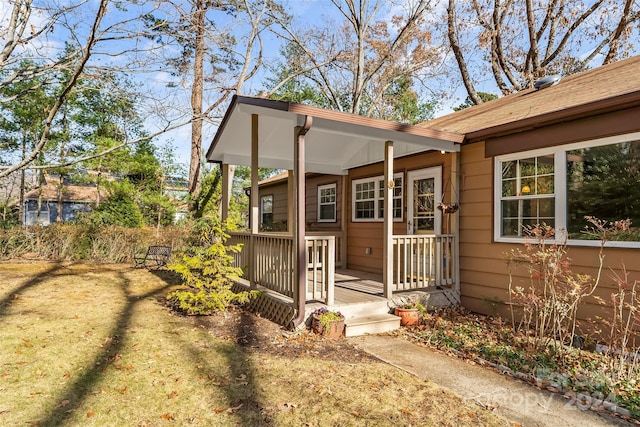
x=91, y=345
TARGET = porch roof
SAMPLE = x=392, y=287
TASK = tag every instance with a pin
x=335, y=143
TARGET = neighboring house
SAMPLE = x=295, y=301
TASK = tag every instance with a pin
x=177, y=189
x=459, y=190
x=41, y=204
x=10, y=188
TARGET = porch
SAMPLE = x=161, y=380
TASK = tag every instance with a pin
x=298, y=269
x=424, y=269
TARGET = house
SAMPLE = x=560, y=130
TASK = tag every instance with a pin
x=177, y=189
x=551, y=155
x=43, y=205
x=388, y=209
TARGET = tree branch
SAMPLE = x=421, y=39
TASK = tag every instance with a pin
x=86, y=54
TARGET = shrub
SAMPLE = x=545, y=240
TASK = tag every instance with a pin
x=550, y=303
x=14, y=242
x=119, y=209
x=208, y=272
x=109, y=244
x=549, y=306
x=156, y=209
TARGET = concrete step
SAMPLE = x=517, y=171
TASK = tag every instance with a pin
x=370, y=324
x=362, y=309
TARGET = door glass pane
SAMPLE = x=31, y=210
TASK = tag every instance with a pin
x=423, y=205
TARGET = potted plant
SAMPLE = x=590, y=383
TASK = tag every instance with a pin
x=410, y=313
x=329, y=324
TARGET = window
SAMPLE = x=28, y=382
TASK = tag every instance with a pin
x=397, y=198
x=527, y=194
x=368, y=198
x=266, y=211
x=561, y=185
x=603, y=182
x=327, y=203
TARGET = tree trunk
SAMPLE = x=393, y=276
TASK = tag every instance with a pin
x=457, y=52
x=196, y=102
x=22, y=181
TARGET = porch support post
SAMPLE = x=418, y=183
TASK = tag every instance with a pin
x=300, y=290
x=226, y=191
x=455, y=226
x=387, y=254
x=255, y=200
x=343, y=221
x=291, y=211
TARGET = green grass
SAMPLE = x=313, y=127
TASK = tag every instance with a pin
x=94, y=345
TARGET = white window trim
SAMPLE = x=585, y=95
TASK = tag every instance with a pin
x=335, y=202
x=560, y=189
x=376, y=180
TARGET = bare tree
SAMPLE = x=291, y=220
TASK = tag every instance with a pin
x=518, y=41
x=61, y=45
x=221, y=46
x=354, y=63
x=77, y=67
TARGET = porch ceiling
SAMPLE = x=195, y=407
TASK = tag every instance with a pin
x=335, y=143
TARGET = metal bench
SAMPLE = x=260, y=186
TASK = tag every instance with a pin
x=156, y=256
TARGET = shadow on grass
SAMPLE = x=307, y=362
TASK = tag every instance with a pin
x=243, y=395
x=41, y=277
x=78, y=391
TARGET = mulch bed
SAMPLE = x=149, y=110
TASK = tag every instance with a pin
x=259, y=335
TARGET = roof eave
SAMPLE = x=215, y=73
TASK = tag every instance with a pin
x=347, y=118
x=601, y=106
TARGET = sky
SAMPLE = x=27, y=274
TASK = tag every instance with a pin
x=304, y=11
x=177, y=102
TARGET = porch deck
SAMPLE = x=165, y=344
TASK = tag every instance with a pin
x=357, y=293
x=357, y=287
x=423, y=268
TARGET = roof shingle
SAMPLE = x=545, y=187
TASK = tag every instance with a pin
x=586, y=89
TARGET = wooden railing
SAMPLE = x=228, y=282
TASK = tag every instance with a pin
x=422, y=261
x=419, y=261
x=241, y=259
x=268, y=260
x=321, y=255
x=340, y=261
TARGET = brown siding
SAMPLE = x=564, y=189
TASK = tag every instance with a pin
x=279, y=190
x=312, y=202
x=362, y=235
x=484, y=279
x=280, y=212
x=600, y=126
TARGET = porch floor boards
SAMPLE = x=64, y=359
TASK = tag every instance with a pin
x=354, y=287
x=361, y=282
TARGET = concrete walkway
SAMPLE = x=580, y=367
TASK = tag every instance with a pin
x=510, y=398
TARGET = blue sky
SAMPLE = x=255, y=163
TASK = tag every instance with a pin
x=176, y=102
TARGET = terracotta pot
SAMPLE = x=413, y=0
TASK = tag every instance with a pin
x=408, y=316
x=333, y=330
